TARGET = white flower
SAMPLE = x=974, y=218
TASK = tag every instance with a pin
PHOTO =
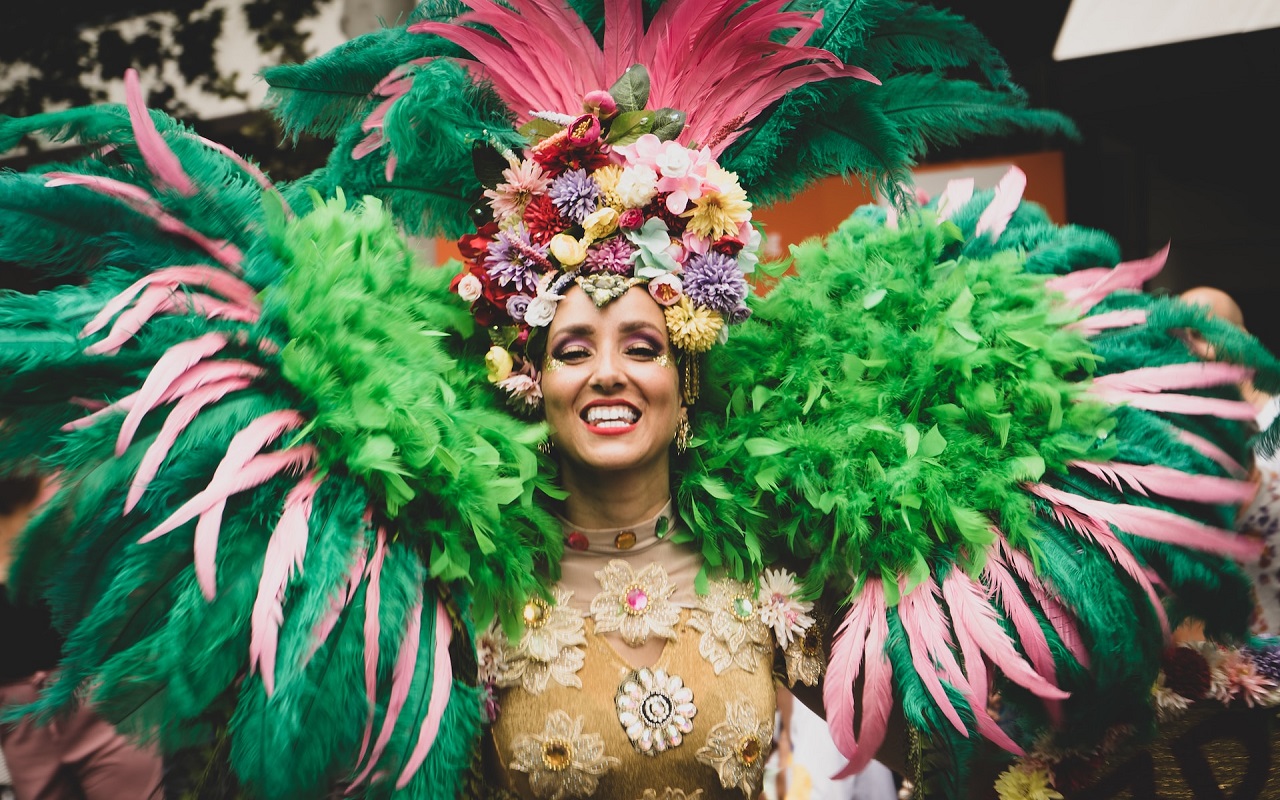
x=749, y=255
x=781, y=608
x=470, y=288
x=541, y=310
x=673, y=161
x=655, y=709
x=1169, y=704
x=637, y=186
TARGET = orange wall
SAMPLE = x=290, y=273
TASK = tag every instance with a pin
x=822, y=207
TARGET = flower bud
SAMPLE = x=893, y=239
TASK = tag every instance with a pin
x=567, y=250
x=498, y=362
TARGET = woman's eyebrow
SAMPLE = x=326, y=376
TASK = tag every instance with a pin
x=637, y=325
x=581, y=329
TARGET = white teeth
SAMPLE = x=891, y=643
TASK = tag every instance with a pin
x=611, y=416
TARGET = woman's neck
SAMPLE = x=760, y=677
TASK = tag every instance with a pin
x=600, y=500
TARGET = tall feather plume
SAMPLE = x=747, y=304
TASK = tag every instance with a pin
x=441, y=681
x=166, y=169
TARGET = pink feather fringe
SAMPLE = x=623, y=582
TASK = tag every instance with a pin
x=441, y=684
x=283, y=560
x=1169, y=482
x=1058, y=614
x=1085, y=288
x=954, y=197
x=877, y=686
x=930, y=644
x=1006, y=591
x=844, y=666
x=401, y=681
x=1124, y=318
x=168, y=368
x=1008, y=196
x=165, y=167
x=340, y=601
x=372, y=632
x=1211, y=451
x=230, y=287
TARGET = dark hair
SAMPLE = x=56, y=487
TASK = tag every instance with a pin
x=18, y=490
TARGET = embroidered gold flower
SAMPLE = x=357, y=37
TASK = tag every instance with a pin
x=733, y=633
x=738, y=748
x=655, y=709
x=551, y=646
x=635, y=603
x=672, y=794
x=806, y=656
x=563, y=762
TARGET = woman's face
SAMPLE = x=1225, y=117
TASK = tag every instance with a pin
x=609, y=384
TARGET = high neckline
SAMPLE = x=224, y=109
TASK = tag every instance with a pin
x=619, y=541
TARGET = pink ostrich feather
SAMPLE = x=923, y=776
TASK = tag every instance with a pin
x=186, y=410
x=930, y=644
x=1085, y=288
x=372, y=632
x=1110, y=320
x=171, y=366
x=953, y=198
x=283, y=560
x=339, y=602
x=1008, y=196
x=1007, y=592
x=216, y=280
x=1155, y=524
x=877, y=686
x=844, y=666
x=258, y=175
x=441, y=684
x=1211, y=451
x=164, y=165
x=1168, y=482
x=401, y=682
x=1056, y=611
x=1188, y=375
x=163, y=300
x=545, y=59
x=139, y=200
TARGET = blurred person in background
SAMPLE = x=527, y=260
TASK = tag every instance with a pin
x=77, y=757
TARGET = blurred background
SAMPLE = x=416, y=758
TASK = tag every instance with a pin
x=1174, y=100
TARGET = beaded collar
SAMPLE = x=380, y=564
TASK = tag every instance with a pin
x=626, y=541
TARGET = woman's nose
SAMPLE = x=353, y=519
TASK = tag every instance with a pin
x=609, y=375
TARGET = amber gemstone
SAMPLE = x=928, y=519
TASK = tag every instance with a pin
x=625, y=540
x=557, y=754
x=749, y=750
x=535, y=613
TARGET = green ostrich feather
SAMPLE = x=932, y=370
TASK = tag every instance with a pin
x=890, y=404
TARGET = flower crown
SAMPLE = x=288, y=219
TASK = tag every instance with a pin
x=606, y=200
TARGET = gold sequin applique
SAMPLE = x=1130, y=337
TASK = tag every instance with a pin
x=636, y=604
x=732, y=632
x=550, y=646
x=738, y=748
x=563, y=762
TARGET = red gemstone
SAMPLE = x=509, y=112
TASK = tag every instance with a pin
x=577, y=541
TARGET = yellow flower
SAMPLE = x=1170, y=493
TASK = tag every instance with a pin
x=607, y=179
x=692, y=329
x=600, y=223
x=716, y=213
x=1021, y=782
x=498, y=362
x=568, y=251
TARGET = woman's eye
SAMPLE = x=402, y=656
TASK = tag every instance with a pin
x=645, y=351
x=572, y=353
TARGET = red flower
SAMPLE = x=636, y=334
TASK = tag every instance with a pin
x=558, y=154
x=1185, y=672
x=474, y=246
x=658, y=208
x=727, y=246
x=544, y=220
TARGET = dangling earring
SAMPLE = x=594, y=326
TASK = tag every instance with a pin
x=545, y=447
x=683, y=432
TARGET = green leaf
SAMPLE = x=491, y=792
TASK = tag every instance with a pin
x=631, y=91
x=973, y=526
x=630, y=126
x=760, y=395
x=701, y=584
x=537, y=129
x=766, y=447
x=1028, y=468
x=667, y=123
x=716, y=488
x=488, y=163
x=1000, y=424
x=889, y=580
x=965, y=330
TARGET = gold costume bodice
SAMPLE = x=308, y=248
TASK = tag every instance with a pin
x=631, y=686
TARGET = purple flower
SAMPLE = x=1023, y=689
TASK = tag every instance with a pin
x=611, y=255
x=516, y=305
x=1266, y=659
x=575, y=193
x=713, y=280
x=739, y=315
x=513, y=258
